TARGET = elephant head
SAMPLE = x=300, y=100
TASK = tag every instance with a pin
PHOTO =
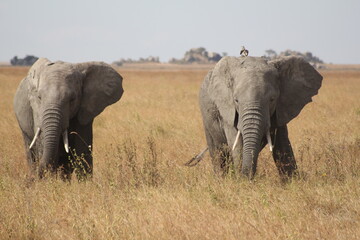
x=253, y=96
x=55, y=95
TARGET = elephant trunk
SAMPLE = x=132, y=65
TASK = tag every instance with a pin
x=51, y=129
x=252, y=132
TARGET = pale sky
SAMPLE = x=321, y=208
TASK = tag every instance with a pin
x=107, y=30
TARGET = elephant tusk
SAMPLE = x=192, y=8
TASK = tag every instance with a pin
x=66, y=141
x=236, y=140
x=268, y=136
x=35, y=137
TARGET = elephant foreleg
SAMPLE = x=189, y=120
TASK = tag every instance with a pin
x=79, y=157
x=219, y=151
x=236, y=147
x=283, y=154
x=31, y=154
x=83, y=142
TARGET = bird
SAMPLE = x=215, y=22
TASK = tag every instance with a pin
x=244, y=52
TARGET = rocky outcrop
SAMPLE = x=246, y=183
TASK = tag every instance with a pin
x=27, y=61
x=149, y=59
x=198, y=55
x=308, y=56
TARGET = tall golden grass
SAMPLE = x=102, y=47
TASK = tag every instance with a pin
x=141, y=190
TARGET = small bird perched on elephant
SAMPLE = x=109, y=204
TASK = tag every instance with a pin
x=244, y=52
x=247, y=102
x=58, y=98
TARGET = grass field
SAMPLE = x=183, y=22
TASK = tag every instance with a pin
x=142, y=190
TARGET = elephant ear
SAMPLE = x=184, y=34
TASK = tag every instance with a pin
x=220, y=84
x=299, y=82
x=102, y=86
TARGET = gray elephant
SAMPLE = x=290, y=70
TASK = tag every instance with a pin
x=56, y=99
x=246, y=103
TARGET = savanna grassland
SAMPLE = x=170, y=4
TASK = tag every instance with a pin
x=142, y=190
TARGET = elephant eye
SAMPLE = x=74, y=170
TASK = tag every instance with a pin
x=236, y=100
x=39, y=97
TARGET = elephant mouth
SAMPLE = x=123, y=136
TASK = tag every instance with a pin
x=64, y=136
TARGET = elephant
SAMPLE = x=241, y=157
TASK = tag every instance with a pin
x=246, y=102
x=57, y=102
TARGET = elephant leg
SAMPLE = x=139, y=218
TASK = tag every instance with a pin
x=283, y=154
x=215, y=135
x=236, y=153
x=218, y=150
x=65, y=165
x=82, y=136
x=31, y=155
x=79, y=157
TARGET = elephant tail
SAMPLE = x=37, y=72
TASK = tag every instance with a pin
x=195, y=160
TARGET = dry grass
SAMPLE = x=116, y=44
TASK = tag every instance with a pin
x=141, y=190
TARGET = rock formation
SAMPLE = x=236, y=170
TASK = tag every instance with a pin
x=149, y=59
x=198, y=55
x=308, y=56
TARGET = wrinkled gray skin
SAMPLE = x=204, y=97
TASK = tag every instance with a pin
x=254, y=96
x=59, y=96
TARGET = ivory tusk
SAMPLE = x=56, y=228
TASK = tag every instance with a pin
x=268, y=136
x=66, y=141
x=236, y=140
x=35, y=137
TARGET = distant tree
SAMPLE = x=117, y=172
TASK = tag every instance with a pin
x=270, y=53
x=27, y=61
x=224, y=54
x=14, y=60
